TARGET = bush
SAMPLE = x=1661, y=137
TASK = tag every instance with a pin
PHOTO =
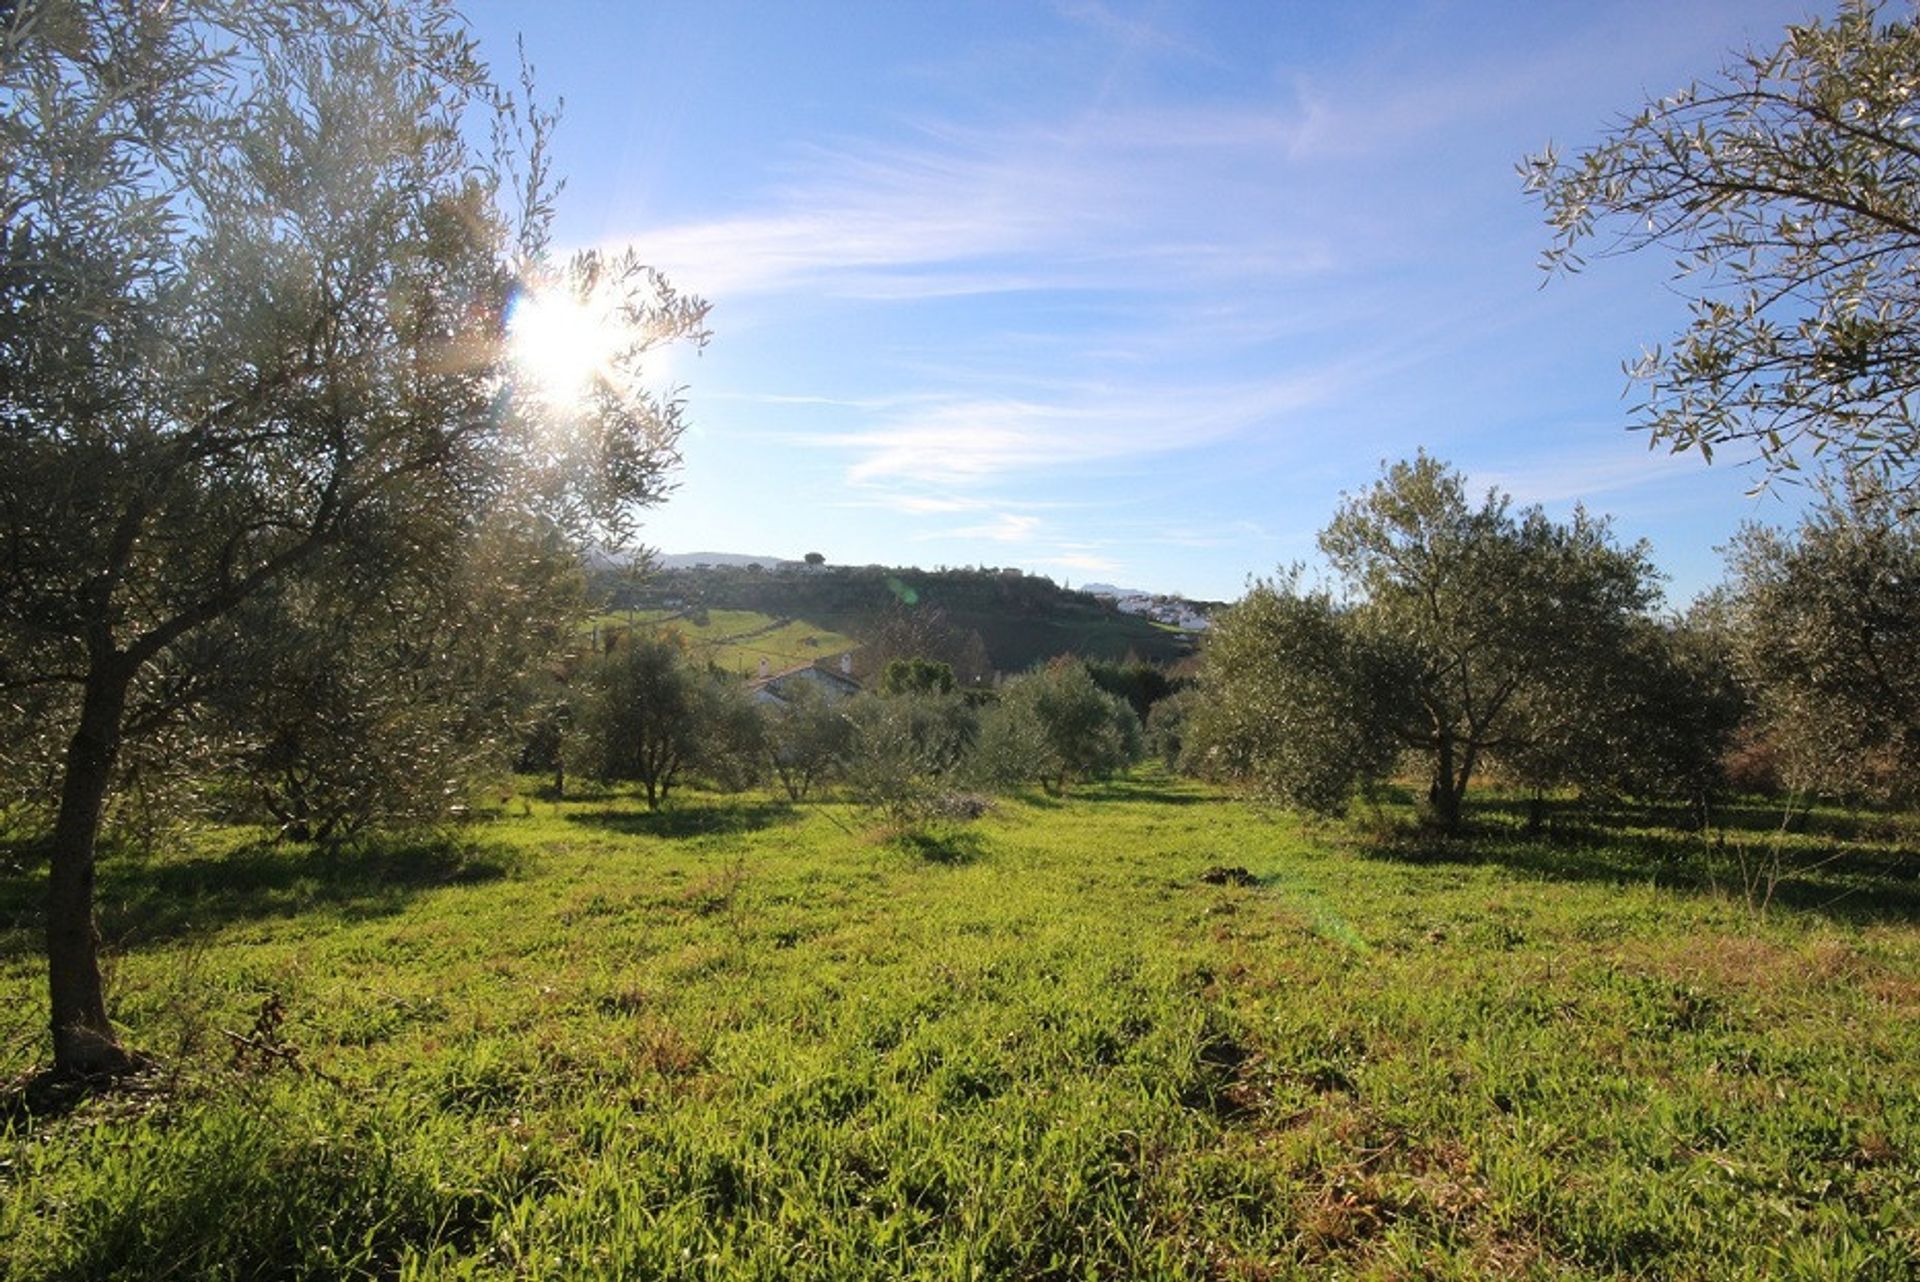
x=1288, y=703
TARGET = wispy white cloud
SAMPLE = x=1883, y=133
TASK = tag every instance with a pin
x=925, y=504
x=1223, y=534
x=1077, y=257
x=1584, y=476
x=1131, y=30
x=1141, y=199
x=1007, y=527
x=825, y=402
x=970, y=440
x=1073, y=559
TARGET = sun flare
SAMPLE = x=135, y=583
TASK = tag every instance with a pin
x=563, y=344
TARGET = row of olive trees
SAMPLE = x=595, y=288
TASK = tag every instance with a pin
x=1464, y=636
x=914, y=748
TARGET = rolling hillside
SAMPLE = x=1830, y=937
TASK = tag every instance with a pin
x=1020, y=619
x=737, y=640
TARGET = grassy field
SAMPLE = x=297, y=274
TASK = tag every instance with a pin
x=747, y=1040
x=737, y=640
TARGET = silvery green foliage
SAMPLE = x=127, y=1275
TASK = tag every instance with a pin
x=1288, y=701
x=1825, y=621
x=1466, y=633
x=1055, y=725
x=253, y=298
x=732, y=750
x=639, y=715
x=807, y=739
x=252, y=310
x=1651, y=717
x=1789, y=189
x=344, y=709
x=908, y=754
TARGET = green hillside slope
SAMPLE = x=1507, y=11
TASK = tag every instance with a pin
x=1021, y=619
x=737, y=640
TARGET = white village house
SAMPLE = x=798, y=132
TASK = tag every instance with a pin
x=835, y=681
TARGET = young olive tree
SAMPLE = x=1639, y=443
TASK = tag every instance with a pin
x=1292, y=700
x=807, y=739
x=1141, y=684
x=1056, y=725
x=642, y=715
x=916, y=676
x=1169, y=726
x=908, y=752
x=1789, y=186
x=732, y=754
x=254, y=309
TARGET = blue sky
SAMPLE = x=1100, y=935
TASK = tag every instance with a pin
x=1127, y=292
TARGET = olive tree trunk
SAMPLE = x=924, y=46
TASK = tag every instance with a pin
x=83, y=1039
x=1449, y=784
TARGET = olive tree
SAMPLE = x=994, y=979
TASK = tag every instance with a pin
x=1789, y=187
x=253, y=315
x=1653, y=719
x=916, y=676
x=1487, y=610
x=908, y=752
x=1825, y=625
x=1468, y=632
x=1291, y=699
x=1056, y=725
x=342, y=708
x=643, y=715
x=732, y=752
x=807, y=738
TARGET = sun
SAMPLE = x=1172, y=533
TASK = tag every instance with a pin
x=564, y=344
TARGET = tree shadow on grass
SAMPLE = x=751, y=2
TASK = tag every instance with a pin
x=1832, y=866
x=47, y=1095
x=726, y=819
x=1158, y=791
x=943, y=846
x=1748, y=818
x=154, y=899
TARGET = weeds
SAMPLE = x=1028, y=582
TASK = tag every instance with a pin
x=1762, y=867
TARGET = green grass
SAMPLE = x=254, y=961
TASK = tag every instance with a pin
x=737, y=640
x=747, y=1040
